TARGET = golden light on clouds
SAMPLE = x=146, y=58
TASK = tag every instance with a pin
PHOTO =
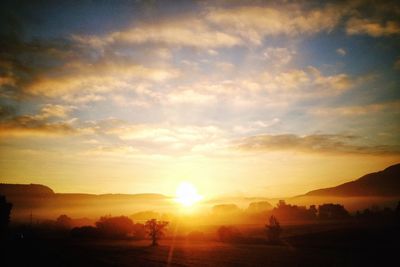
x=268, y=94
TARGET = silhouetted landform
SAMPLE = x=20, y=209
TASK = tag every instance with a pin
x=339, y=240
x=380, y=188
x=25, y=190
x=382, y=183
x=42, y=202
x=28, y=190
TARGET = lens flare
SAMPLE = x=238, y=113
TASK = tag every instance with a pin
x=186, y=194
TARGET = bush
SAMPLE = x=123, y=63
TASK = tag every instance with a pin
x=64, y=222
x=274, y=230
x=332, y=212
x=115, y=227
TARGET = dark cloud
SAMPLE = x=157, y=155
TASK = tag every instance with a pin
x=316, y=143
x=7, y=111
x=22, y=62
x=33, y=125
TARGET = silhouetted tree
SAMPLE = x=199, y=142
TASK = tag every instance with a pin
x=288, y=212
x=332, y=211
x=313, y=211
x=397, y=213
x=139, y=231
x=64, y=222
x=5, y=210
x=115, y=227
x=155, y=230
x=274, y=230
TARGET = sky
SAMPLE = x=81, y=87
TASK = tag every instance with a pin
x=243, y=98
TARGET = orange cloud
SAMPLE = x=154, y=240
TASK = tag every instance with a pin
x=253, y=23
x=392, y=106
x=315, y=143
x=78, y=77
x=22, y=126
x=370, y=27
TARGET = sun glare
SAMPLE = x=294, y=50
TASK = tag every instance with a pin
x=186, y=194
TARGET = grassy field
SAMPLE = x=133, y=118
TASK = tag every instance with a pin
x=361, y=246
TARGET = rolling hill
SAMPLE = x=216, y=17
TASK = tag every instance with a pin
x=383, y=184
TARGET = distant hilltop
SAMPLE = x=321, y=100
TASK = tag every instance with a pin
x=25, y=190
x=382, y=183
x=379, y=188
x=32, y=190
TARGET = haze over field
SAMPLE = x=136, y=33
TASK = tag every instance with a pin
x=239, y=98
x=372, y=190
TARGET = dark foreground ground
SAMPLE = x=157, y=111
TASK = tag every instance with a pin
x=362, y=246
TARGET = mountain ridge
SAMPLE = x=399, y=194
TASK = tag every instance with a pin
x=380, y=183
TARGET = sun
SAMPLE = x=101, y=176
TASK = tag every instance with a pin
x=186, y=194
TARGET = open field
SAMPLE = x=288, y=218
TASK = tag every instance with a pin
x=341, y=247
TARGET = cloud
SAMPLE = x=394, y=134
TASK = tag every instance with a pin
x=7, y=111
x=253, y=23
x=7, y=80
x=278, y=55
x=77, y=78
x=160, y=139
x=396, y=64
x=373, y=28
x=51, y=110
x=341, y=52
x=255, y=126
x=315, y=143
x=261, y=89
x=217, y=27
x=189, y=96
x=26, y=125
x=309, y=82
x=392, y=106
x=21, y=60
x=185, y=31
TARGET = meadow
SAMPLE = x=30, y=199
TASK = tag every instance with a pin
x=327, y=245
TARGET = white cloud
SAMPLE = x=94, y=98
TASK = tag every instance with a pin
x=253, y=23
x=278, y=55
x=186, y=31
x=341, y=52
x=216, y=27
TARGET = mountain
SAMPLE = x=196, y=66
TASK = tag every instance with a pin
x=26, y=190
x=43, y=203
x=383, y=184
